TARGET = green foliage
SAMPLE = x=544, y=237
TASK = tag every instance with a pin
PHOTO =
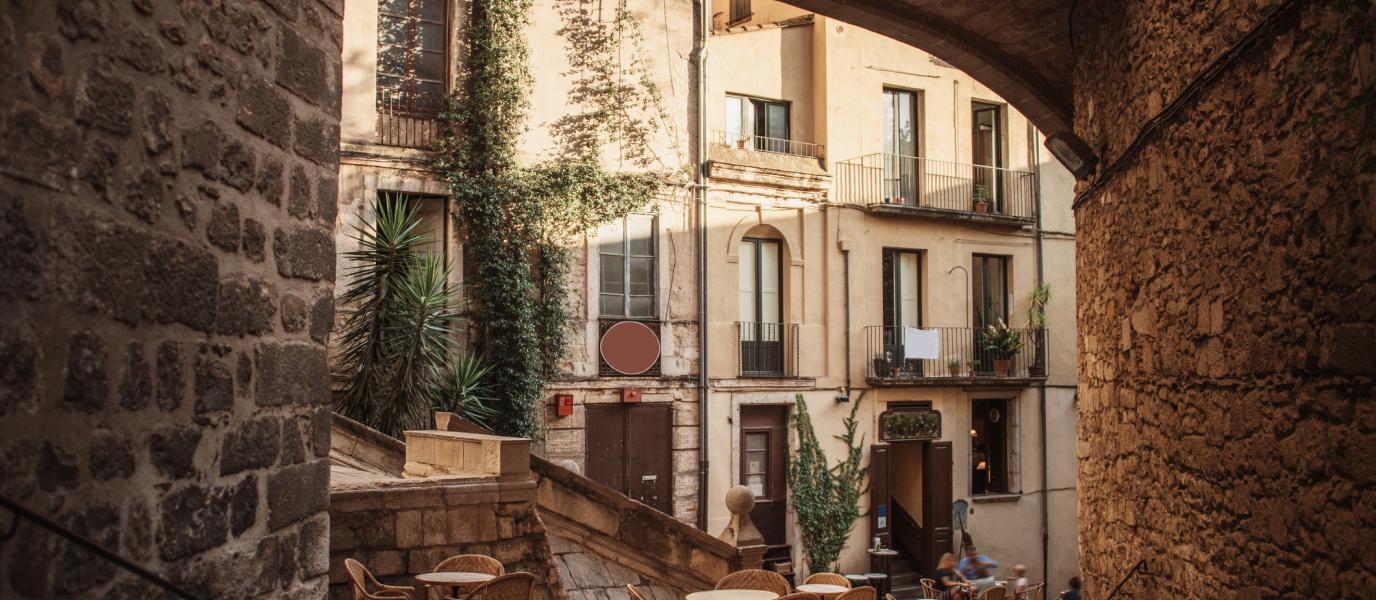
x=981, y=194
x=395, y=347
x=1001, y=340
x=912, y=426
x=826, y=500
x=1037, y=299
x=521, y=219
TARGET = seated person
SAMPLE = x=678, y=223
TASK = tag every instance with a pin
x=976, y=567
x=949, y=581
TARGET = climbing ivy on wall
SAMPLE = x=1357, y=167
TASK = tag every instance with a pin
x=826, y=499
x=520, y=220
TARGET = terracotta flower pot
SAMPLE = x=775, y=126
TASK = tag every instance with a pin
x=982, y=207
x=740, y=144
x=1036, y=371
x=896, y=371
x=954, y=369
x=1001, y=367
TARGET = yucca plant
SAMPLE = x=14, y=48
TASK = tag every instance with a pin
x=399, y=360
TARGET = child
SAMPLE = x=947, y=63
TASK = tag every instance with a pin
x=1020, y=582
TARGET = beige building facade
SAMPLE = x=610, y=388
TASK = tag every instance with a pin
x=844, y=255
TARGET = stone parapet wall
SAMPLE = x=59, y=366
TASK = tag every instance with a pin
x=167, y=207
x=661, y=550
x=400, y=528
x=1226, y=427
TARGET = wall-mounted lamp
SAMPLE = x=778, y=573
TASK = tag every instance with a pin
x=1073, y=153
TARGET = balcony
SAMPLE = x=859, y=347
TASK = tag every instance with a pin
x=408, y=119
x=744, y=141
x=935, y=189
x=767, y=349
x=886, y=366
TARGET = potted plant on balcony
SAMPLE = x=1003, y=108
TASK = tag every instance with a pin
x=1037, y=299
x=954, y=366
x=1002, y=342
x=981, y=198
x=973, y=365
x=881, y=363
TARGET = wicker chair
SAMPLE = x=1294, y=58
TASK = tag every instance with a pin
x=994, y=593
x=360, y=577
x=755, y=579
x=465, y=563
x=513, y=586
x=1034, y=591
x=860, y=593
x=828, y=579
x=800, y=596
x=929, y=589
x=635, y=593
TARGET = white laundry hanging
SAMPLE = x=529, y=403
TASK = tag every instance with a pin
x=921, y=343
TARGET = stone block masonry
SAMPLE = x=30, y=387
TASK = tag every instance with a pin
x=1226, y=424
x=163, y=377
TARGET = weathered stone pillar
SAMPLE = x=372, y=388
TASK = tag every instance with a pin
x=741, y=532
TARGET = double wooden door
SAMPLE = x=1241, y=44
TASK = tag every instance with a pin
x=629, y=448
x=934, y=536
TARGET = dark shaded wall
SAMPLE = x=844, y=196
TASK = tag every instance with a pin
x=167, y=201
x=1226, y=422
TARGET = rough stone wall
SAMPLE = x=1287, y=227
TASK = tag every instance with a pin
x=401, y=528
x=1226, y=427
x=588, y=577
x=167, y=201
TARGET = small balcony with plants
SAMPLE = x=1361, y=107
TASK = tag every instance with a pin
x=966, y=356
x=910, y=186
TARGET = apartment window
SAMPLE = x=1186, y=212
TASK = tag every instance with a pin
x=627, y=264
x=410, y=53
x=431, y=219
x=900, y=146
x=902, y=289
x=761, y=304
x=740, y=11
x=763, y=124
x=989, y=280
x=987, y=146
x=989, y=446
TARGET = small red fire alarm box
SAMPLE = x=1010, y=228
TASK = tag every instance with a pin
x=565, y=404
x=630, y=395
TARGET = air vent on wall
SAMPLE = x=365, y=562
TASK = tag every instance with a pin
x=629, y=348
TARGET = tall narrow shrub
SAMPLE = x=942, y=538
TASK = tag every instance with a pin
x=826, y=500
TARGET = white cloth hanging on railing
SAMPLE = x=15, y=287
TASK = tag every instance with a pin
x=921, y=343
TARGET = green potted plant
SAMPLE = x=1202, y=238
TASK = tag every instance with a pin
x=881, y=364
x=981, y=198
x=1002, y=342
x=954, y=365
x=973, y=365
x=1037, y=299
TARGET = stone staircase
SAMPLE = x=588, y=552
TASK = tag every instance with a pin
x=905, y=582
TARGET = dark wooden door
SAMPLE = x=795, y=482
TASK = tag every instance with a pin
x=629, y=447
x=764, y=440
x=936, y=503
x=649, y=477
x=881, y=516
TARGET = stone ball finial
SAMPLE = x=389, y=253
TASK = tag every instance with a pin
x=740, y=500
x=570, y=465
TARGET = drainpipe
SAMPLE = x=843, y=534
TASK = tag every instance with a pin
x=846, y=253
x=1046, y=531
x=700, y=181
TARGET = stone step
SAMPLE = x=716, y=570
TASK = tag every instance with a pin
x=905, y=592
x=903, y=579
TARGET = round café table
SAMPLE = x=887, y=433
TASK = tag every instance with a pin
x=826, y=591
x=461, y=582
x=733, y=595
x=883, y=557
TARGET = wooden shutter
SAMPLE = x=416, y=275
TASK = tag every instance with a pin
x=881, y=505
x=936, y=502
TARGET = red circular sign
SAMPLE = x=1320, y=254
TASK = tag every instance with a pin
x=630, y=347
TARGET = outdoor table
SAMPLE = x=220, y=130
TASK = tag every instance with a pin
x=457, y=580
x=733, y=595
x=858, y=580
x=883, y=557
x=826, y=591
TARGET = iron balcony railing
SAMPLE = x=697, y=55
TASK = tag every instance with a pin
x=408, y=119
x=767, y=349
x=964, y=345
x=927, y=183
x=745, y=141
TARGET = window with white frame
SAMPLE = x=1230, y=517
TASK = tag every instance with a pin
x=627, y=265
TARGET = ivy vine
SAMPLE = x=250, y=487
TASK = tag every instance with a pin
x=826, y=499
x=520, y=220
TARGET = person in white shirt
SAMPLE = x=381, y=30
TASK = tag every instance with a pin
x=1020, y=582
